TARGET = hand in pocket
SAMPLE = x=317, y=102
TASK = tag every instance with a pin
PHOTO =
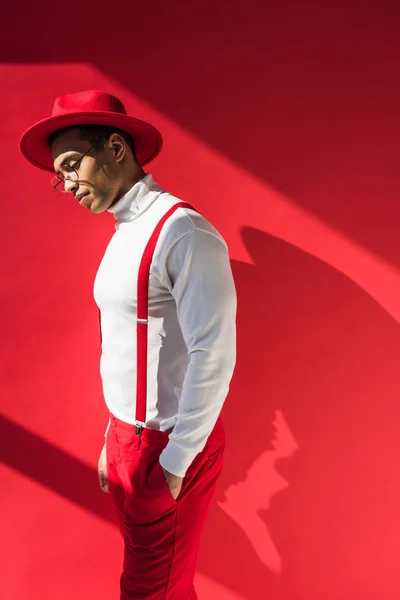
x=174, y=483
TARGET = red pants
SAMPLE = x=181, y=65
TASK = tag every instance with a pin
x=161, y=535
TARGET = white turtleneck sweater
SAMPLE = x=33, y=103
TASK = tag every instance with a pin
x=192, y=321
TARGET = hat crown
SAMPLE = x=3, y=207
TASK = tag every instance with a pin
x=89, y=107
x=88, y=101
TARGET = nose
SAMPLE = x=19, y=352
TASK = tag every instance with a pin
x=70, y=186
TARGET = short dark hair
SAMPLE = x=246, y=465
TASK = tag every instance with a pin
x=97, y=135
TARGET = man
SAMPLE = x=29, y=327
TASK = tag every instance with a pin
x=167, y=307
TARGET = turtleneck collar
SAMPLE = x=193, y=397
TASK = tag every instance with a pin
x=135, y=202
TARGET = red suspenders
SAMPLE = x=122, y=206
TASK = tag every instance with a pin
x=142, y=318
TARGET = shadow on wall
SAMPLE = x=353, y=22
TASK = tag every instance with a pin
x=308, y=502
x=308, y=508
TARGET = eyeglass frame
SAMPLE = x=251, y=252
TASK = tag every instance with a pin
x=75, y=165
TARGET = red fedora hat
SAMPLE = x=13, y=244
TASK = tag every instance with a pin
x=91, y=107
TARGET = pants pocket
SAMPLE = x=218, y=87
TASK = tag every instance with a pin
x=158, y=489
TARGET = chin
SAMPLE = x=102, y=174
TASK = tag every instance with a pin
x=96, y=210
x=96, y=207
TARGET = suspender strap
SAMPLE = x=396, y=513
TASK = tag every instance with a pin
x=142, y=317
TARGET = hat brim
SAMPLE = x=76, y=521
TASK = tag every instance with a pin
x=34, y=142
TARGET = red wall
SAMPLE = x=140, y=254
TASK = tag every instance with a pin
x=281, y=125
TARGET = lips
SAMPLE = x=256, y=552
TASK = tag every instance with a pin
x=82, y=196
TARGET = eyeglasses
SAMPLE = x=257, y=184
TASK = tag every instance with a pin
x=58, y=183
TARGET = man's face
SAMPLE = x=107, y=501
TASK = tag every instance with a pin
x=98, y=182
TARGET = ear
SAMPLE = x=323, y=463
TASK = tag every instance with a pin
x=117, y=146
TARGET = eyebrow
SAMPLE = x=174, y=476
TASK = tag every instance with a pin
x=66, y=159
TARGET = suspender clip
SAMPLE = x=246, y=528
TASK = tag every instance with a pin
x=139, y=426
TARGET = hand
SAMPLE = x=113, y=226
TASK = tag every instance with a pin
x=174, y=483
x=102, y=470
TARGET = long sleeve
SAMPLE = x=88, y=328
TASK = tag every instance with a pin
x=200, y=279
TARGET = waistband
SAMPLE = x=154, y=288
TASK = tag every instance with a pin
x=155, y=436
x=128, y=432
